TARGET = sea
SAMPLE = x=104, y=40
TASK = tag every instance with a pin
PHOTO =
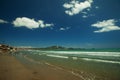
x=88, y=65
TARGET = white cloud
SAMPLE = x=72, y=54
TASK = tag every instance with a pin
x=26, y=22
x=96, y=7
x=42, y=25
x=84, y=16
x=63, y=29
x=29, y=23
x=106, y=26
x=75, y=7
x=3, y=21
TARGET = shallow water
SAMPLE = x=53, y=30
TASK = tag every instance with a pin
x=93, y=65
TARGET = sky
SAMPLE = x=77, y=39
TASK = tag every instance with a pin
x=68, y=23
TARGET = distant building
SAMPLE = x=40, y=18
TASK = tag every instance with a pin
x=6, y=49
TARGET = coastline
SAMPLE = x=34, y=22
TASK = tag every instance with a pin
x=42, y=65
x=12, y=68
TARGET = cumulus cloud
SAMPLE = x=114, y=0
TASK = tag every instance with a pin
x=26, y=22
x=3, y=21
x=43, y=25
x=106, y=26
x=75, y=7
x=30, y=23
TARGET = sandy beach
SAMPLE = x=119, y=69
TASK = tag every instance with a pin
x=13, y=69
x=36, y=65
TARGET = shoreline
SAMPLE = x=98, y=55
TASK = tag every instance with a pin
x=42, y=67
x=12, y=68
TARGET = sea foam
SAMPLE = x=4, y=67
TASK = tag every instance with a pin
x=100, y=60
x=112, y=54
x=58, y=56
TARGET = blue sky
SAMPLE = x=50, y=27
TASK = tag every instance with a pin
x=69, y=23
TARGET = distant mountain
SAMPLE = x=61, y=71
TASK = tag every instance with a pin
x=76, y=49
x=55, y=47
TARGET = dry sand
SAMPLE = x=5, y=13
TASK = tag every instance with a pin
x=13, y=69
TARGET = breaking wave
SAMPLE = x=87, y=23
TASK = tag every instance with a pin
x=115, y=54
x=58, y=56
x=99, y=60
x=106, y=57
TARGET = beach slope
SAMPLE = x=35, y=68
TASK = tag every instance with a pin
x=12, y=69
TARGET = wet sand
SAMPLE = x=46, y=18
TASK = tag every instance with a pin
x=13, y=69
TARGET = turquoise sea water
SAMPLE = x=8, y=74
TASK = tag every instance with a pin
x=91, y=65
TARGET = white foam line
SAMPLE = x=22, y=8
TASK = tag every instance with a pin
x=112, y=54
x=104, y=54
x=58, y=56
x=98, y=60
x=55, y=67
x=59, y=68
x=78, y=75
